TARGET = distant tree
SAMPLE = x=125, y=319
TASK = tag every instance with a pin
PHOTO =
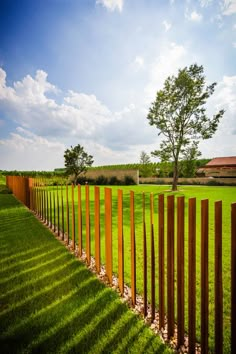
x=189, y=163
x=145, y=165
x=180, y=116
x=144, y=158
x=77, y=161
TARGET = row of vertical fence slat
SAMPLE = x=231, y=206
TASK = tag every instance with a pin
x=49, y=205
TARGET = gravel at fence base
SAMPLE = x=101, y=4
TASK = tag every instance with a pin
x=138, y=308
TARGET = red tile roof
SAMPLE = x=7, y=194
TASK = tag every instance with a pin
x=219, y=161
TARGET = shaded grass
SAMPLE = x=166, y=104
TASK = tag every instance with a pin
x=226, y=194
x=51, y=303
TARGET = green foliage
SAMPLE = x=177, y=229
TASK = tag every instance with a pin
x=144, y=158
x=179, y=114
x=103, y=181
x=129, y=181
x=4, y=190
x=77, y=161
x=146, y=169
x=46, y=174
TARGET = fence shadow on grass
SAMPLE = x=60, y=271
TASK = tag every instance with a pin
x=50, y=302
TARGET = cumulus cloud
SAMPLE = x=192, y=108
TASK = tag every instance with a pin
x=138, y=63
x=193, y=16
x=111, y=5
x=167, y=25
x=172, y=58
x=205, y=3
x=228, y=7
x=24, y=150
x=27, y=101
x=223, y=142
x=78, y=118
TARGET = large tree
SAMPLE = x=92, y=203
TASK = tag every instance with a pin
x=77, y=161
x=179, y=113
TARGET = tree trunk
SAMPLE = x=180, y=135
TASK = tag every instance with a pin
x=175, y=176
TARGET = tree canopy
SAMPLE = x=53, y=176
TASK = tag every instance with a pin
x=179, y=113
x=77, y=161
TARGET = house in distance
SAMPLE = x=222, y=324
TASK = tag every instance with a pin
x=219, y=167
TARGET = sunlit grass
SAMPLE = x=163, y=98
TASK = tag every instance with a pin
x=51, y=303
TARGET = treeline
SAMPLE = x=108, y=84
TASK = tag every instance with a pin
x=188, y=169
x=33, y=173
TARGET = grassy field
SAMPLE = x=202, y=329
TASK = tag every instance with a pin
x=226, y=194
x=51, y=303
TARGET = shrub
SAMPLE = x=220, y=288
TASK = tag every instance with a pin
x=101, y=181
x=5, y=190
x=114, y=181
x=214, y=182
x=129, y=181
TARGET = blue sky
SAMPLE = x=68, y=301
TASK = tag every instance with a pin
x=86, y=71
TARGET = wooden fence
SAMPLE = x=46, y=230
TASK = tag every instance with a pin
x=56, y=211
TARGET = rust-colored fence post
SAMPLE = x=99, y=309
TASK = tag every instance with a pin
x=108, y=232
x=170, y=265
x=133, y=250
x=40, y=200
x=120, y=242
x=87, y=210
x=47, y=206
x=161, y=261
x=204, y=276
x=41, y=192
x=152, y=258
x=62, y=215
x=54, y=211
x=144, y=260
x=67, y=216
x=58, y=212
x=192, y=275
x=218, y=280
x=180, y=270
x=97, y=228
x=50, y=207
x=73, y=216
x=80, y=241
x=233, y=278
x=44, y=205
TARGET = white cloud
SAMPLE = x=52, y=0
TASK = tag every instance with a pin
x=24, y=150
x=111, y=5
x=234, y=44
x=228, y=7
x=172, y=58
x=27, y=102
x=205, y=3
x=138, y=63
x=79, y=118
x=223, y=142
x=167, y=25
x=193, y=16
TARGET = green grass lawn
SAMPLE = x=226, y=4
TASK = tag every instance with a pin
x=226, y=194
x=51, y=303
